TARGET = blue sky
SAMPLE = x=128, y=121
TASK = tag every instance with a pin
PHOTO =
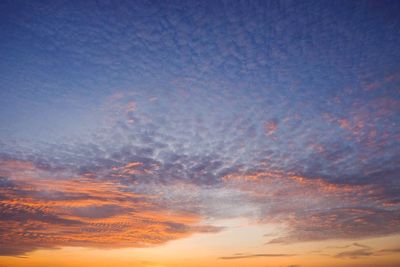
x=289, y=107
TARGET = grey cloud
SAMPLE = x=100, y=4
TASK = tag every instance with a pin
x=354, y=254
x=345, y=223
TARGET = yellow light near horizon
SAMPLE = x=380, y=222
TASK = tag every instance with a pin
x=203, y=250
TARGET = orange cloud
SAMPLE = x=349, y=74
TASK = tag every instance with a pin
x=271, y=127
x=129, y=169
x=51, y=212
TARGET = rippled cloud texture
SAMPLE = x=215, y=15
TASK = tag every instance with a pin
x=130, y=124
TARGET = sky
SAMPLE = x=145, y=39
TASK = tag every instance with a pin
x=200, y=133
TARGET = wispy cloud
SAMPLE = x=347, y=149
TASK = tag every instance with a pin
x=246, y=256
x=355, y=251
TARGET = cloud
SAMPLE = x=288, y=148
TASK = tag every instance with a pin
x=312, y=186
x=345, y=223
x=390, y=250
x=39, y=212
x=354, y=254
x=271, y=127
x=246, y=256
x=304, y=205
x=357, y=250
x=347, y=246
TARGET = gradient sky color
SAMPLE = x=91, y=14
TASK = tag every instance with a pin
x=200, y=133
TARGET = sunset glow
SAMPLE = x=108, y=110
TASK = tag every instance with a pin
x=200, y=133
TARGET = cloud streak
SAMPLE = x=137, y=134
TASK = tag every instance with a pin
x=247, y=256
